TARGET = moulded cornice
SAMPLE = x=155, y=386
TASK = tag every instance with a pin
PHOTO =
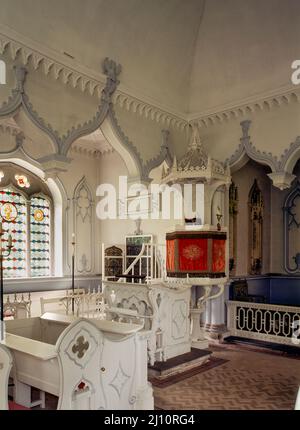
x=81, y=77
x=150, y=111
x=266, y=101
x=87, y=80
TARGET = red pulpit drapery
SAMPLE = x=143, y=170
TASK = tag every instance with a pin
x=193, y=254
x=196, y=253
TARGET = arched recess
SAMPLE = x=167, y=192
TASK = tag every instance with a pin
x=117, y=139
x=246, y=150
x=291, y=156
x=58, y=195
x=291, y=231
x=83, y=224
x=243, y=155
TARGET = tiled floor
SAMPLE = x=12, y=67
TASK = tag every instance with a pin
x=249, y=380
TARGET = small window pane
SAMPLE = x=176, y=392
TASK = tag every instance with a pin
x=15, y=265
x=40, y=236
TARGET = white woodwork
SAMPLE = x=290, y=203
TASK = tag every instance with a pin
x=5, y=368
x=17, y=307
x=261, y=321
x=59, y=368
x=297, y=405
x=164, y=309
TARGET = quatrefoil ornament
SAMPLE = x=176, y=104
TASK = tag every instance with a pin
x=80, y=347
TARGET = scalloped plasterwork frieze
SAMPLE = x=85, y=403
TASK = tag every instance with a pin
x=62, y=143
x=282, y=168
x=82, y=78
x=265, y=102
x=247, y=147
x=125, y=140
x=19, y=139
x=148, y=111
x=18, y=150
x=288, y=153
x=164, y=155
x=143, y=167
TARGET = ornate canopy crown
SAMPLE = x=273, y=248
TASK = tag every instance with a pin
x=196, y=164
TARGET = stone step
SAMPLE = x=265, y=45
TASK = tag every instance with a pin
x=179, y=364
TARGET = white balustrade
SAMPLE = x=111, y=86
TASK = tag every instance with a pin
x=271, y=323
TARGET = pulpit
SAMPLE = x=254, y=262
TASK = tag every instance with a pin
x=197, y=253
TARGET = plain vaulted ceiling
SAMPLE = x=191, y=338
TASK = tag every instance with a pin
x=189, y=56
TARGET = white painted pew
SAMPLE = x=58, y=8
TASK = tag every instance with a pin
x=95, y=364
x=5, y=368
x=297, y=405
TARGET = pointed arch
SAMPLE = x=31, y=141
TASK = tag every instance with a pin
x=121, y=143
x=83, y=227
x=291, y=230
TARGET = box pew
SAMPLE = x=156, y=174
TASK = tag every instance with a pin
x=6, y=361
x=88, y=364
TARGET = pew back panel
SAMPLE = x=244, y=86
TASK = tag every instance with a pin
x=6, y=361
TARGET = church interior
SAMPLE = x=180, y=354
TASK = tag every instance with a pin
x=150, y=205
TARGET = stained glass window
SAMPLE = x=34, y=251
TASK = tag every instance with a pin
x=13, y=211
x=40, y=232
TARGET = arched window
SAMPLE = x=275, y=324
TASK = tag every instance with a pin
x=14, y=221
x=26, y=214
x=40, y=236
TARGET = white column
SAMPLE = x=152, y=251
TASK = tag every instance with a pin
x=217, y=317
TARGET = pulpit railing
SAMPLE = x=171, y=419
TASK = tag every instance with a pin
x=266, y=322
x=149, y=264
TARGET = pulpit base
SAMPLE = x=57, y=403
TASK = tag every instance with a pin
x=200, y=344
x=179, y=364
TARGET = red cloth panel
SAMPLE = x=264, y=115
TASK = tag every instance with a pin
x=171, y=255
x=218, y=251
x=193, y=254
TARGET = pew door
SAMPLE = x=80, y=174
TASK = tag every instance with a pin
x=119, y=367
